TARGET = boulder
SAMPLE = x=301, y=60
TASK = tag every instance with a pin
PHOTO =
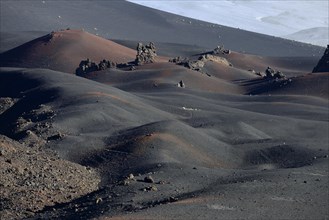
x=181, y=84
x=105, y=64
x=220, y=50
x=269, y=72
x=148, y=179
x=145, y=54
x=273, y=74
x=87, y=66
x=198, y=64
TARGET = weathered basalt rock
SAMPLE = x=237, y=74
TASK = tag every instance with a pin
x=273, y=74
x=190, y=64
x=87, y=66
x=181, y=84
x=145, y=54
x=198, y=64
x=105, y=64
x=217, y=59
x=220, y=50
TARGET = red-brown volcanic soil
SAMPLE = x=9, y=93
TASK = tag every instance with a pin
x=64, y=50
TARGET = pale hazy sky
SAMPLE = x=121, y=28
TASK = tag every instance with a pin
x=278, y=18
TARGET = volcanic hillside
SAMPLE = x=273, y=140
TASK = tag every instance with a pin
x=22, y=21
x=64, y=50
x=191, y=130
x=216, y=115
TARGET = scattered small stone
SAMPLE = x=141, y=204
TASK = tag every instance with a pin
x=6, y=103
x=56, y=137
x=33, y=178
x=125, y=182
x=220, y=50
x=99, y=200
x=148, y=179
x=150, y=188
x=131, y=177
x=175, y=60
x=173, y=199
x=181, y=84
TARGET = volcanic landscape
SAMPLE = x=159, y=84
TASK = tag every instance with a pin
x=111, y=110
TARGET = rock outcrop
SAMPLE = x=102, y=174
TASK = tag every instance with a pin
x=198, y=64
x=220, y=50
x=323, y=64
x=87, y=66
x=145, y=54
x=216, y=59
x=190, y=64
x=106, y=64
x=273, y=74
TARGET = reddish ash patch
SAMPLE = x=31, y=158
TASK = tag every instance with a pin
x=64, y=50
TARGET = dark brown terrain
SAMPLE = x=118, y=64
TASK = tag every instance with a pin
x=196, y=132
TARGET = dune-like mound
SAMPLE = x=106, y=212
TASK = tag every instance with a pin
x=64, y=50
x=307, y=85
x=170, y=129
x=311, y=84
x=323, y=64
x=154, y=143
x=291, y=66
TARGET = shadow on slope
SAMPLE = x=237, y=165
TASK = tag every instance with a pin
x=315, y=84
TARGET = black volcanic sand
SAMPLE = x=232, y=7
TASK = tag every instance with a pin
x=230, y=145
x=216, y=155
x=22, y=21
